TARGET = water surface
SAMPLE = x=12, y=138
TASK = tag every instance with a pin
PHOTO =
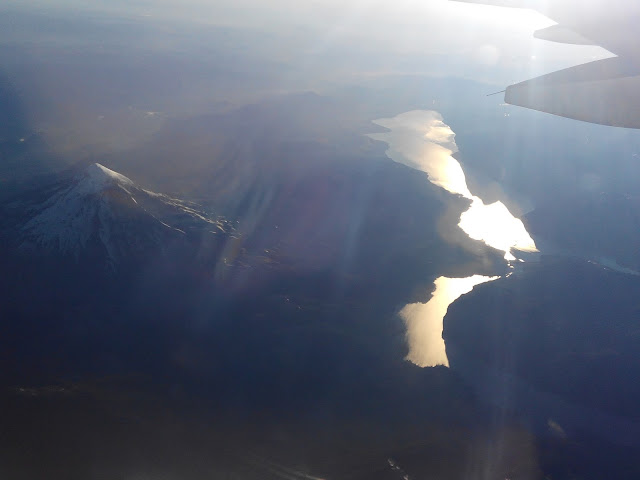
x=421, y=140
x=424, y=321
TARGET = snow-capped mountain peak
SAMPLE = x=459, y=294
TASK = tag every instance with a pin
x=103, y=212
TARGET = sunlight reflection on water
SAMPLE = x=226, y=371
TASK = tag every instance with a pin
x=424, y=321
x=421, y=140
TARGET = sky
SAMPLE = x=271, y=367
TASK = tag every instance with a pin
x=495, y=44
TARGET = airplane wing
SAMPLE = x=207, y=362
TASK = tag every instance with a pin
x=605, y=91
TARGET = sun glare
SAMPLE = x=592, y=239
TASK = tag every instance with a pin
x=421, y=140
x=494, y=225
x=517, y=18
x=424, y=321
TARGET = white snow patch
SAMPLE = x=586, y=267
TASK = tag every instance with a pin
x=99, y=177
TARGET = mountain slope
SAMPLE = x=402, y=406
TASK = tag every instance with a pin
x=103, y=215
